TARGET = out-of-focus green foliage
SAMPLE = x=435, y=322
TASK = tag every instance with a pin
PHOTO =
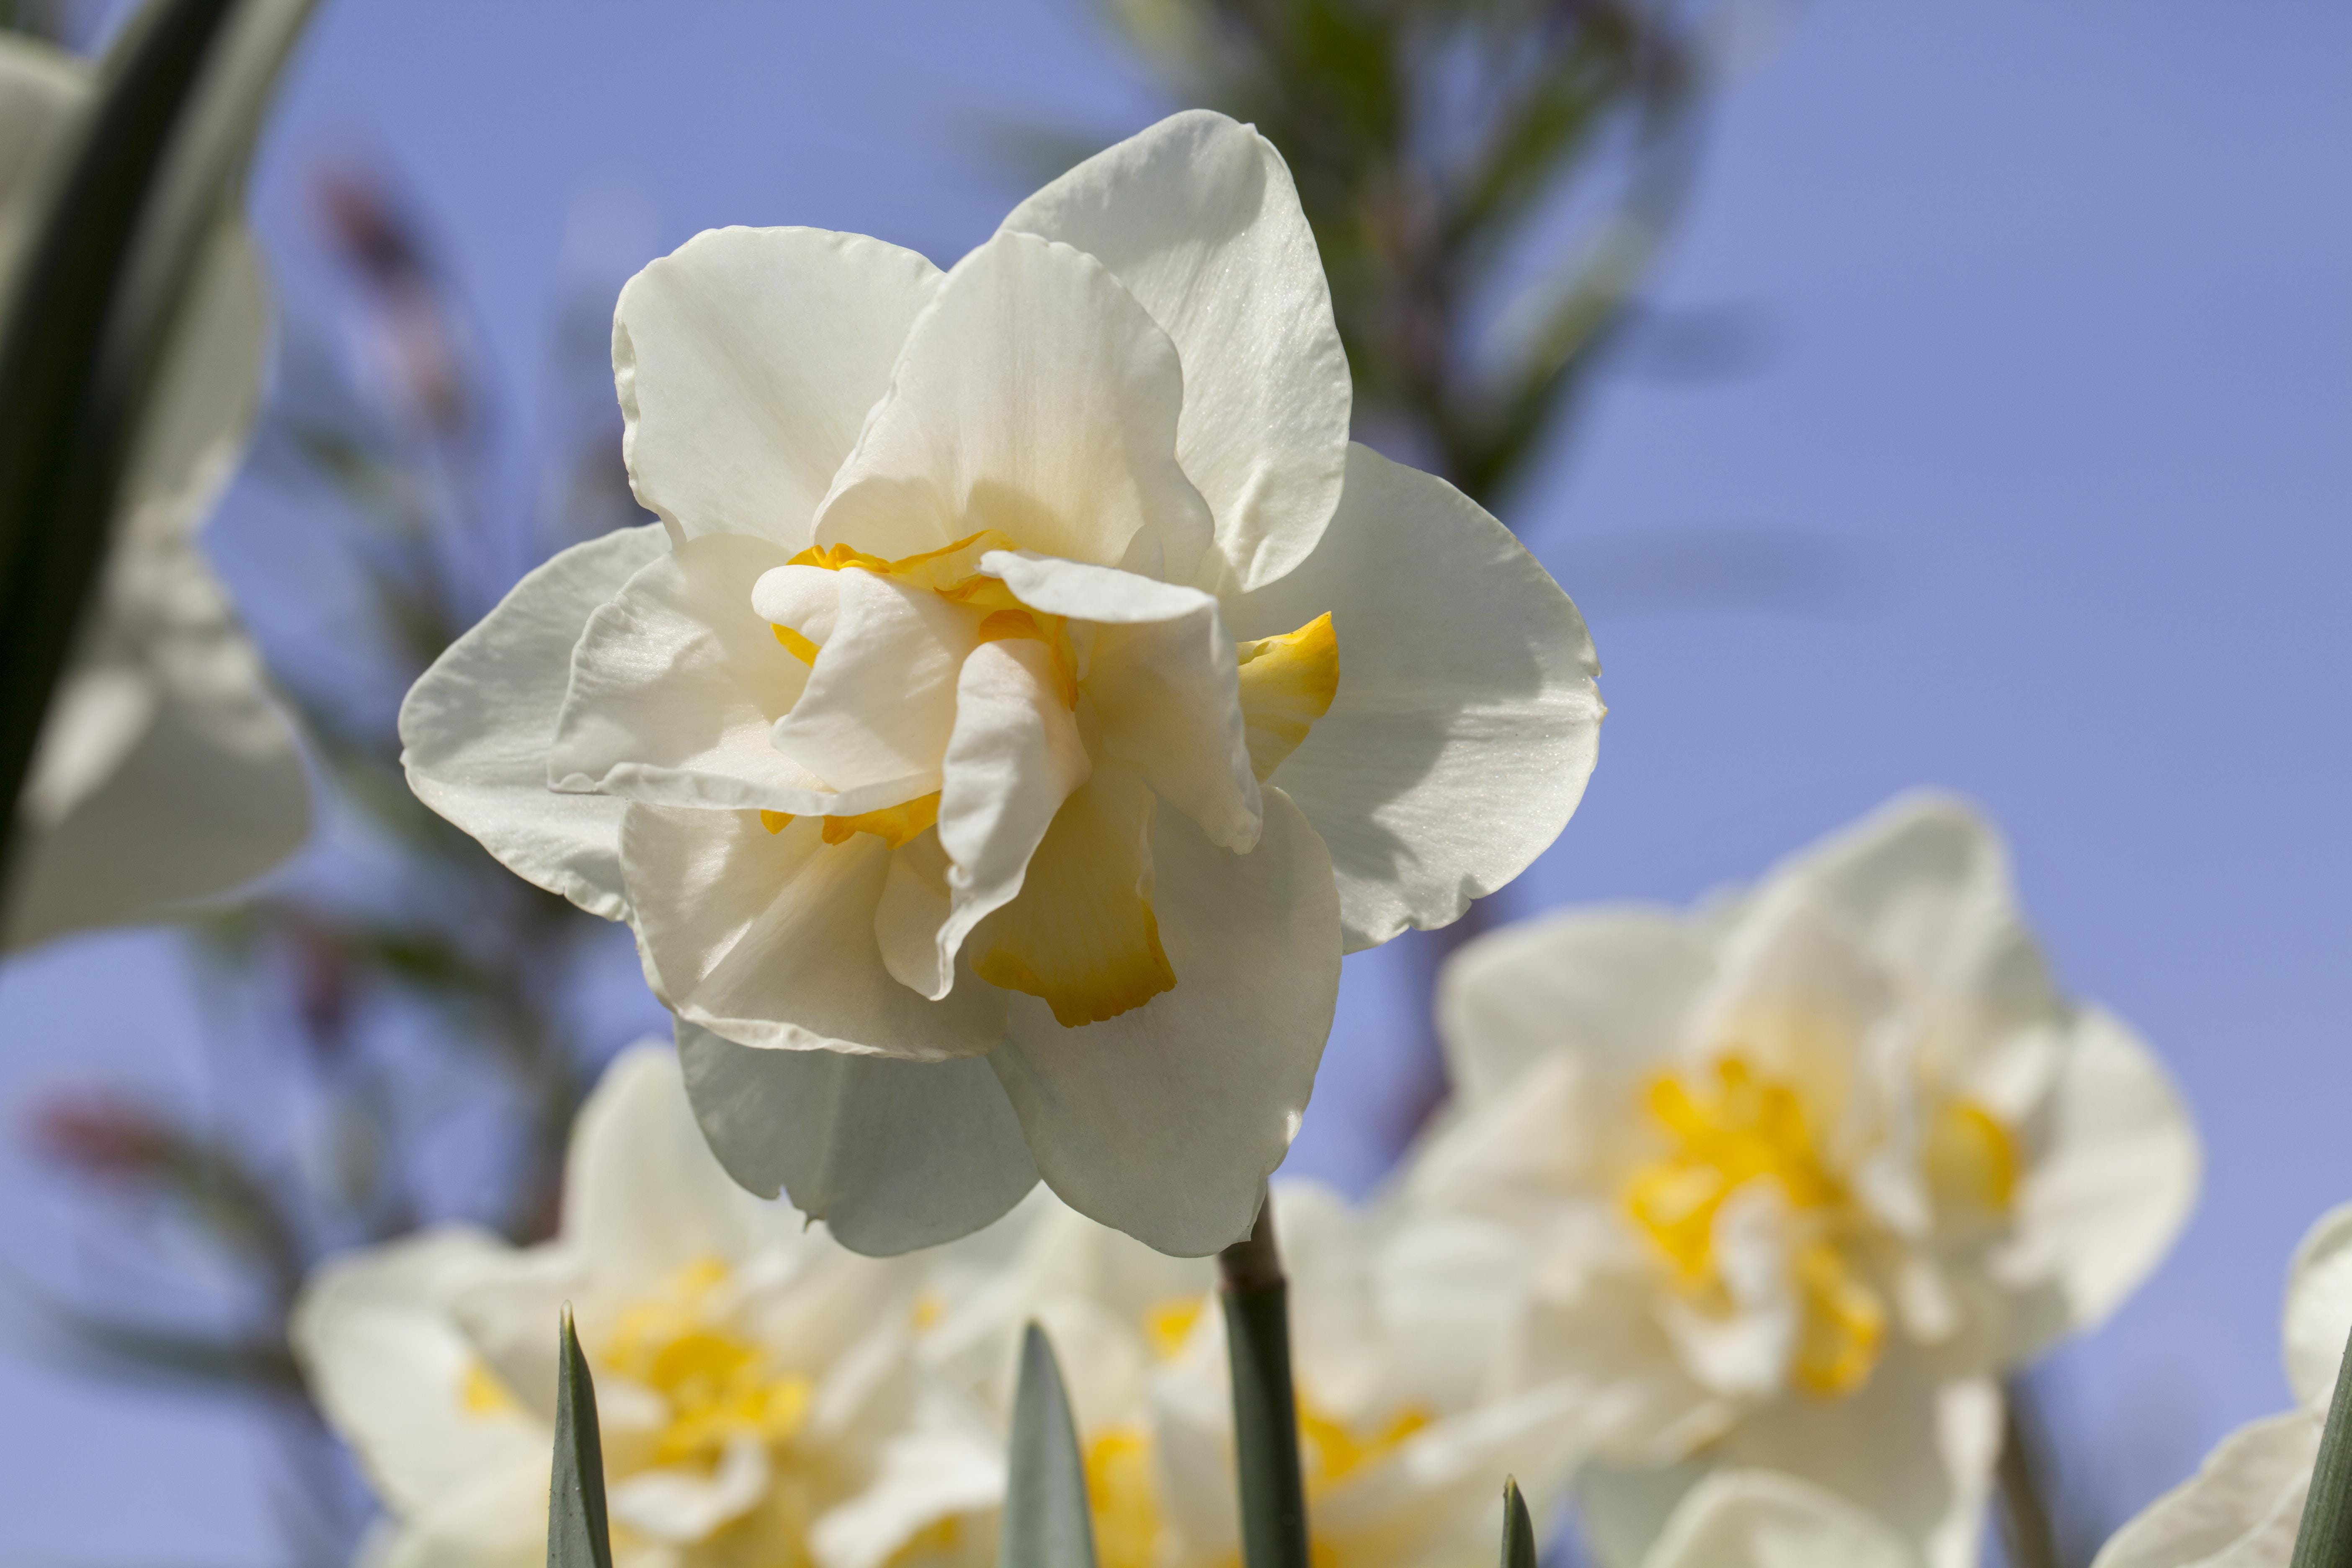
x=1488, y=180
x=1046, y=1520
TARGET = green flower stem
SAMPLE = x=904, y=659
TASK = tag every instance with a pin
x=1265, y=1413
x=2026, y=1526
x=2325, y=1539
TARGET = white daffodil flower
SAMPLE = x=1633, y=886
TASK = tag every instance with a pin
x=1028, y=697
x=1805, y=1171
x=164, y=772
x=1406, y=1343
x=753, y=1381
x=1763, y=1519
x=2244, y=1506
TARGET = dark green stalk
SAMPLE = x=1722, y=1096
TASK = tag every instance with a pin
x=1265, y=1413
x=2325, y=1539
x=1518, y=1529
x=2026, y=1526
x=125, y=214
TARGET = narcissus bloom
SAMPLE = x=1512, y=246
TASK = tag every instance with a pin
x=2244, y=1506
x=1808, y=1168
x=756, y=1395
x=1405, y=1342
x=1028, y=696
x=165, y=772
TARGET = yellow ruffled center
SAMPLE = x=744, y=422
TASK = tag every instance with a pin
x=1083, y=936
x=718, y=1386
x=1730, y=1125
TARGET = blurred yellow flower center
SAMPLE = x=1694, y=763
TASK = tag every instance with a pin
x=1122, y=1487
x=718, y=1386
x=1729, y=1125
x=1091, y=949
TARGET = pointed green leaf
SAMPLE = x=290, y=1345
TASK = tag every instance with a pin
x=124, y=216
x=1518, y=1529
x=1046, y=1524
x=2325, y=1539
x=577, y=1534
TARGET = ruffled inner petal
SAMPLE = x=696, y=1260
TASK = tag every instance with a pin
x=1082, y=935
x=880, y=700
x=1287, y=683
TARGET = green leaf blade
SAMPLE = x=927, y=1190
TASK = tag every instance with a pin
x=1046, y=1522
x=578, y=1534
x=2325, y=1538
x=1518, y=1529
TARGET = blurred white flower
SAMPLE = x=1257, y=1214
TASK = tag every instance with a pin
x=1029, y=695
x=753, y=1381
x=2244, y=1505
x=1806, y=1170
x=1764, y=1518
x=1406, y=1344
x=164, y=772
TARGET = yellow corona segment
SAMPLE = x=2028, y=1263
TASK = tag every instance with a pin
x=484, y=1393
x=1125, y=1499
x=1727, y=1125
x=1168, y=1324
x=717, y=1386
x=1287, y=682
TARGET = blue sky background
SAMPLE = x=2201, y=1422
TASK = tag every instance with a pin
x=2032, y=478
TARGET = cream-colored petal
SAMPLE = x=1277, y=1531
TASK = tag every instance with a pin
x=209, y=792
x=747, y=360
x=1083, y=936
x=1612, y=985
x=1163, y=1122
x=1013, y=757
x=2241, y=1509
x=677, y=685
x=880, y=703
x=939, y=1472
x=1160, y=670
x=392, y=1369
x=476, y=728
x=892, y=1155
x=1913, y=1450
x=1198, y=218
x=1036, y=397
x=681, y=1504
x=767, y=939
x=2113, y=1173
x=643, y=1197
x=1762, y=1519
x=2319, y=1308
x=1466, y=720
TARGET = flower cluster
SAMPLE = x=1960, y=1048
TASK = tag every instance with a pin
x=1738, y=1220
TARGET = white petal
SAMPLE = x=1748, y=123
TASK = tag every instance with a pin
x=683, y=1505
x=768, y=939
x=1036, y=397
x=922, y=1476
x=476, y=728
x=210, y=793
x=2319, y=1308
x=1612, y=985
x=1761, y=1518
x=1466, y=720
x=880, y=700
x=2112, y=1167
x=1014, y=756
x=746, y=362
x=643, y=1197
x=677, y=685
x=891, y=1155
x=1198, y=218
x=392, y=1369
x=1911, y=1449
x=2241, y=1509
x=1162, y=678
x=1164, y=1120
x=193, y=431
